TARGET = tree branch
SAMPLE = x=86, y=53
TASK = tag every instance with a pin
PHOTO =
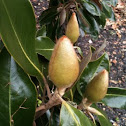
x=47, y=87
x=55, y=100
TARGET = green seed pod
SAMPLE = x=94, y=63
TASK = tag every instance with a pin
x=63, y=65
x=97, y=88
x=72, y=30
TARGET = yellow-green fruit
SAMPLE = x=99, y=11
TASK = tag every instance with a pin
x=63, y=65
x=97, y=88
x=72, y=30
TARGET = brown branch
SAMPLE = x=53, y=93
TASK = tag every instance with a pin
x=47, y=87
x=55, y=100
x=43, y=97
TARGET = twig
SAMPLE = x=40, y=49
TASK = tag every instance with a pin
x=94, y=111
x=47, y=87
x=19, y=108
x=43, y=97
x=92, y=117
x=55, y=100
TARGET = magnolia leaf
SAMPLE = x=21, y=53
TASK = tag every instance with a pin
x=116, y=98
x=44, y=46
x=89, y=72
x=17, y=94
x=70, y=116
x=92, y=8
x=17, y=31
x=102, y=117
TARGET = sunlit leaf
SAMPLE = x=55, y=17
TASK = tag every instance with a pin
x=44, y=46
x=70, y=116
x=116, y=98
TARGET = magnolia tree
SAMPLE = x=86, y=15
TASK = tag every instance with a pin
x=43, y=81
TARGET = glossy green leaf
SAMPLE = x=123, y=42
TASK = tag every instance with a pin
x=114, y=2
x=101, y=20
x=91, y=70
x=103, y=119
x=88, y=23
x=107, y=10
x=41, y=31
x=111, y=2
x=48, y=16
x=70, y=116
x=17, y=94
x=116, y=98
x=17, y=31
x=92, y=8
x=83, y=64
x=44, y=46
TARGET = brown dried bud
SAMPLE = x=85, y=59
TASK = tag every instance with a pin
x=62, y=16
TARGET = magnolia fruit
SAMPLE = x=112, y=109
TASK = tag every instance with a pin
x=97, y=88
x=63, y=65
x=72, y=29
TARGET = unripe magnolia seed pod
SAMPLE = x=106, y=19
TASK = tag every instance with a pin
x=72, y=30
x=97, y=88
x=63, y=65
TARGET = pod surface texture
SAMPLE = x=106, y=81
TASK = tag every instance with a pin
x=63, y=65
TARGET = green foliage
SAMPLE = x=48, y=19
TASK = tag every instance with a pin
x=44, y=46
x=71, y=116
x=24, y=58
x=17, y=93
x=91, y=15
x=19, y=34
x=116, y=98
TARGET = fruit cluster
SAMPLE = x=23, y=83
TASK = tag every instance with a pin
x=64, y=66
